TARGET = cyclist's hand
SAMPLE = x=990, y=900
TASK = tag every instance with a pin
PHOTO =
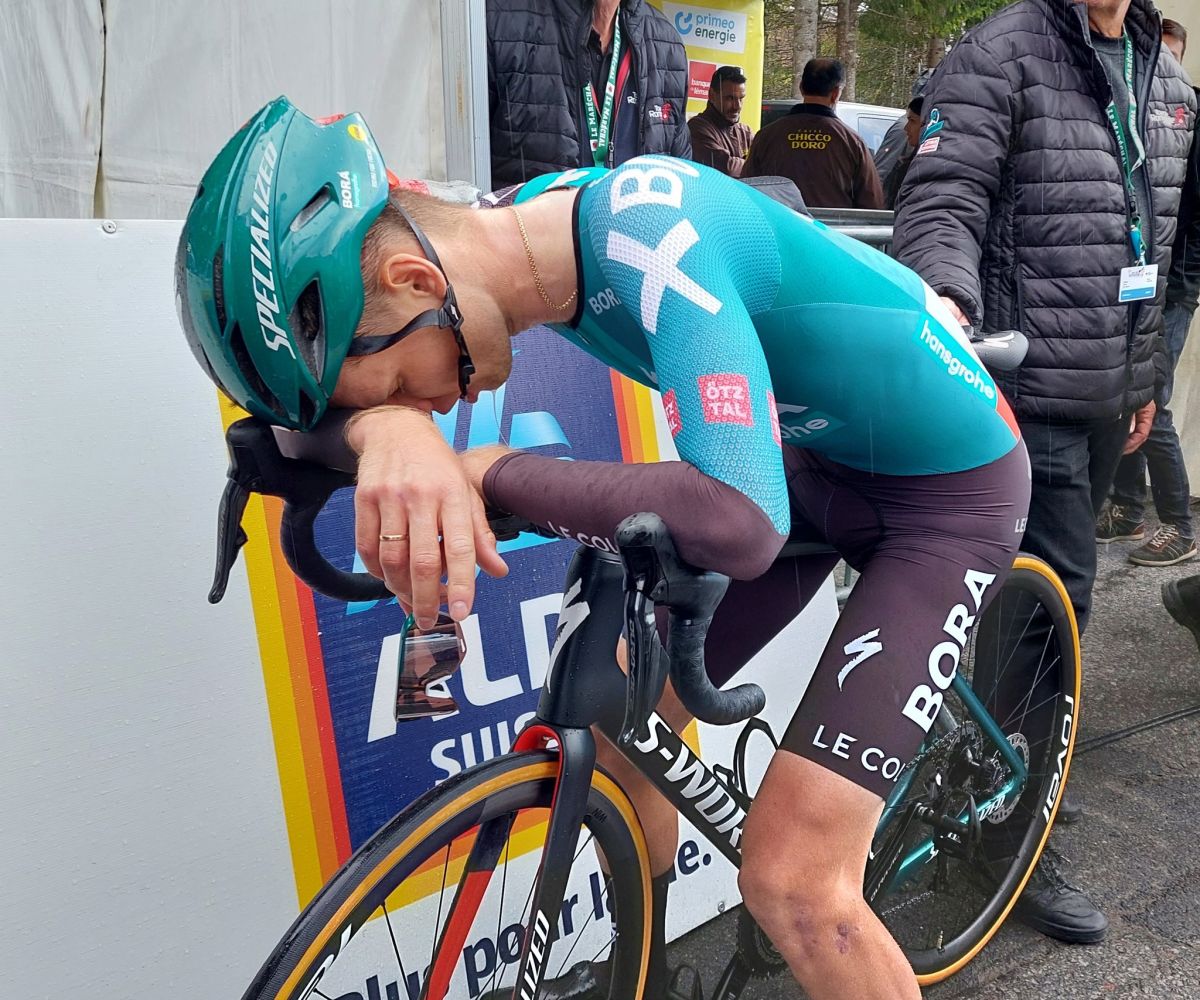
x=1139, y=428
x=955, y=311
x=411, y=484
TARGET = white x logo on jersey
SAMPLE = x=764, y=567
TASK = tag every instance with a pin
x=660, y=266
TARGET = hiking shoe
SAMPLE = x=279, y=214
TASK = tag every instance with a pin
x=1115, y=524
x=1057, y=908
x=1069, y=810
x=1182, y=599
x=1165, y=548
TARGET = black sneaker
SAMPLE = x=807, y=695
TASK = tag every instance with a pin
x=1116, y=524
x=1166, y=548
x=1057, y=908
x=1182, y=599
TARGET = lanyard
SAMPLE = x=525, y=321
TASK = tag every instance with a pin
x=1135, y=222
x=600, y=125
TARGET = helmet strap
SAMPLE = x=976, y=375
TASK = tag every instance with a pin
x=447, y=317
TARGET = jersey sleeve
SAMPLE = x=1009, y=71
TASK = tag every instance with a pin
x=691, y=259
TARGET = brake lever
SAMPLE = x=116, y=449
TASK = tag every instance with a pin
x=644, y=583
x=230, y=535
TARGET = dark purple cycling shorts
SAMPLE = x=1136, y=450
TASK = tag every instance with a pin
x=931, y=550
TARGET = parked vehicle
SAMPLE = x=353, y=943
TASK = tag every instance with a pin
x=870, y=121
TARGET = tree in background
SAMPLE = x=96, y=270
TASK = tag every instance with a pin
x=885, y=44
x=804, y=33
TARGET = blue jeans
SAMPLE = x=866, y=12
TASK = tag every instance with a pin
x=1161, y=454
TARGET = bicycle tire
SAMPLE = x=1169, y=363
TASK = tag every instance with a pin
x=1033, y=811
x=505, y=785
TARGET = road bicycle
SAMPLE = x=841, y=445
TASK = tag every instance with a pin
x=532, y=866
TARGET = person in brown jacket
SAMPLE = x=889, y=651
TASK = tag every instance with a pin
x=825, y=158
x=719, y=137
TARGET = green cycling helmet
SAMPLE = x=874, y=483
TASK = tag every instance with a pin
x=267, y=275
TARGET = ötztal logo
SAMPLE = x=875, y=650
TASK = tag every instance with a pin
x=725, y=398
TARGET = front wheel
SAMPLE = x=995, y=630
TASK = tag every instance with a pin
x=954, y=849
x=458, y=865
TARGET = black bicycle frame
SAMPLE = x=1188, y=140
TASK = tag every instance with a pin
x=584, y=687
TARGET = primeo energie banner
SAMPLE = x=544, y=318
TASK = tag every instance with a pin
x=720, y=33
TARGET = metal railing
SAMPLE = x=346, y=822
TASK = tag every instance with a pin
x=870, y=226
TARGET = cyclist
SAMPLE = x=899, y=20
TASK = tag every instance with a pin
x=808, y=381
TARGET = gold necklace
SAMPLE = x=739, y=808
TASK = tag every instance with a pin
x=537, y=278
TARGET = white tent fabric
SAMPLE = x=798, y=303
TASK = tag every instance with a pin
x=177, y=78
x=182, y=76
x=51, y=79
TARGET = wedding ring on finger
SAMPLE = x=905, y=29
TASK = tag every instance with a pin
x=393, y=538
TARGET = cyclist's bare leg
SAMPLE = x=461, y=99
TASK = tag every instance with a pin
x=804, y=853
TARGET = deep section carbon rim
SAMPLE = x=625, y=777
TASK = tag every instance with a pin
x=373, y=931
x=942, y=897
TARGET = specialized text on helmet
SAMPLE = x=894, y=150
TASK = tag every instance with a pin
x=265, y=296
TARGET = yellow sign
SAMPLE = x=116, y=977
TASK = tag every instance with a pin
x=720, y=33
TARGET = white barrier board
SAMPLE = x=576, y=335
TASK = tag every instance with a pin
x=179, y=778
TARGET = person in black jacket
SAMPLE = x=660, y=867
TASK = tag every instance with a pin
x=1019, y=211
x=895, y=153
x=550, y=61
x=1161, y=456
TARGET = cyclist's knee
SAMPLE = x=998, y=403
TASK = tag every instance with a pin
x=808, y=911
x=803, y=851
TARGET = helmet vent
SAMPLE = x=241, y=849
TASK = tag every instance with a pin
x=318, y=201
x=307, y=321
x=245, y=364
x=308, y=411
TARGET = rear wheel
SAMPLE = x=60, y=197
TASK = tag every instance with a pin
x=459, y=865
x=952, y=853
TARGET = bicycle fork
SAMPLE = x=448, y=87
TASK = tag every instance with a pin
x=577, y=759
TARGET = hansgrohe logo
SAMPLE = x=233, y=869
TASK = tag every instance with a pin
x=970, y=374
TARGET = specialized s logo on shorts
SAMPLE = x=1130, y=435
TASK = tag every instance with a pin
x=862, y=648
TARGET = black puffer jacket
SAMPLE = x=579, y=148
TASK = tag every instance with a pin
x=537, y=68
x=1019, y=215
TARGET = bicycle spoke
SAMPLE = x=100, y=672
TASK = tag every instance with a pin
x=395, y=947
x=498, y=976
x=441, y=898
x=1015, y=646
x=606, y=944
x=1032, y=708
x=1039, y=676
x=591, y=916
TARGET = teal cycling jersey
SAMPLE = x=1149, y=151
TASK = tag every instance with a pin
x=763, y=328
